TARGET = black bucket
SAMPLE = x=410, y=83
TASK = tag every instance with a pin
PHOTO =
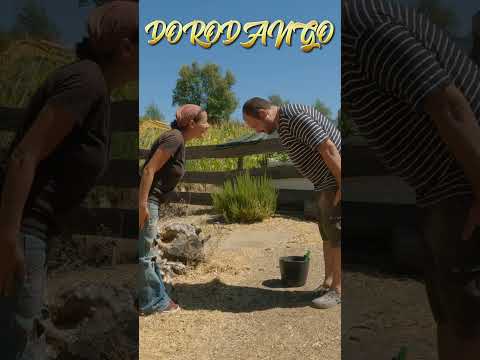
x=294, y=270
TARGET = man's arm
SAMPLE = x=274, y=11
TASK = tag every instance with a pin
x=330, y=154
x=452, y=114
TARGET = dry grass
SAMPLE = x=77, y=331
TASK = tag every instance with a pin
x=227, y=312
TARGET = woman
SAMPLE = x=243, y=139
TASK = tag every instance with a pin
x=55, y=160
x=163, y=169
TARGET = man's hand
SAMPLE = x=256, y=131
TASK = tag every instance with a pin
x=12, y=261
x=143, y=215
x=338, y=197
x=473, y=220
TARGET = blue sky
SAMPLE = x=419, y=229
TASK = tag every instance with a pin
x=260, y=71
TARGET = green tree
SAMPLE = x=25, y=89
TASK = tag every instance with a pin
x=153, y=112
x=441, y=15
x=207, y=87
x=34, y=22
x=277, y=100
x=324, y=109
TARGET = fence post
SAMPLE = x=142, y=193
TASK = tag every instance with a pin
x=240, y=164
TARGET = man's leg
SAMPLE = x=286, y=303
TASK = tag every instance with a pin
x=453, y=279
x=337, y=269
x=330, y=229
x=328, y=261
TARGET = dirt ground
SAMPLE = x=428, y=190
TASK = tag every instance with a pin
x=381, y=314
x=232, y=307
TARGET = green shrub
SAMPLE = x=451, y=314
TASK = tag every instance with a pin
x=246, y=199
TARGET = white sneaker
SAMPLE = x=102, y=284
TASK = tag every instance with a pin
x=330, y=299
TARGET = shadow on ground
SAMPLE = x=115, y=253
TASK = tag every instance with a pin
x=219, y=296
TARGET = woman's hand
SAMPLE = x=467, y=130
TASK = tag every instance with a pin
x=12, y=262
x=143, y=215
x=473, y=220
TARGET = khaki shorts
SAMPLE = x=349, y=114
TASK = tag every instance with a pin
x=452, y=266
x=329, y=218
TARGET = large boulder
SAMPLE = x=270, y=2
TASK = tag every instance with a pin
x=182, y=242
x=171, y=231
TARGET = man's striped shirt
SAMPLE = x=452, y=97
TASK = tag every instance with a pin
x=392, y=59
x=301, y=130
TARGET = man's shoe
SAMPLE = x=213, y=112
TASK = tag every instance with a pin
x=330, y=299
x=321, y=290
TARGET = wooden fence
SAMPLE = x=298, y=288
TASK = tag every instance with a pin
x=110, y=214
x=288, y=200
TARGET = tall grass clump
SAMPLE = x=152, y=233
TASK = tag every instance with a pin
x=246, y=199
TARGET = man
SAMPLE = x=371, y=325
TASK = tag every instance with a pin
x=313, y=144
x=415, y=96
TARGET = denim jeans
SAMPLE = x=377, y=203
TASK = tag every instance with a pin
x=22, y=335
x=152, y=294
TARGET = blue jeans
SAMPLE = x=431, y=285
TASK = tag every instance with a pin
x=22, y=336
x=152, y=294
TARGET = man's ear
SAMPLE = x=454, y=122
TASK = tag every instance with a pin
x=262, y=114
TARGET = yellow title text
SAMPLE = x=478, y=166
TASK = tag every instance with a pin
x=313, y=34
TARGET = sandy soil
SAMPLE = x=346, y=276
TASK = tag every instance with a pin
x=232, y=307
x=381, y=314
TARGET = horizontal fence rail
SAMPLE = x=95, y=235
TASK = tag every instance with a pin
x=218, y=178
x=358, y=161
x=222, y=152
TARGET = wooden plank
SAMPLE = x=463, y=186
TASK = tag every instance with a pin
x=218, y=178
x=121, y=173
x=359, y=160
x=310, y=209
x=367, y=226
x=291, y=199
x=124, y=117
x=217, y=152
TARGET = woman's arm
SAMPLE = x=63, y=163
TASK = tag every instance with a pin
x=157, y=161
x=49, y=129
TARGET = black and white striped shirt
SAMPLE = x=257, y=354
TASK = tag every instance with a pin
x=392, y=59
x=301, y=130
